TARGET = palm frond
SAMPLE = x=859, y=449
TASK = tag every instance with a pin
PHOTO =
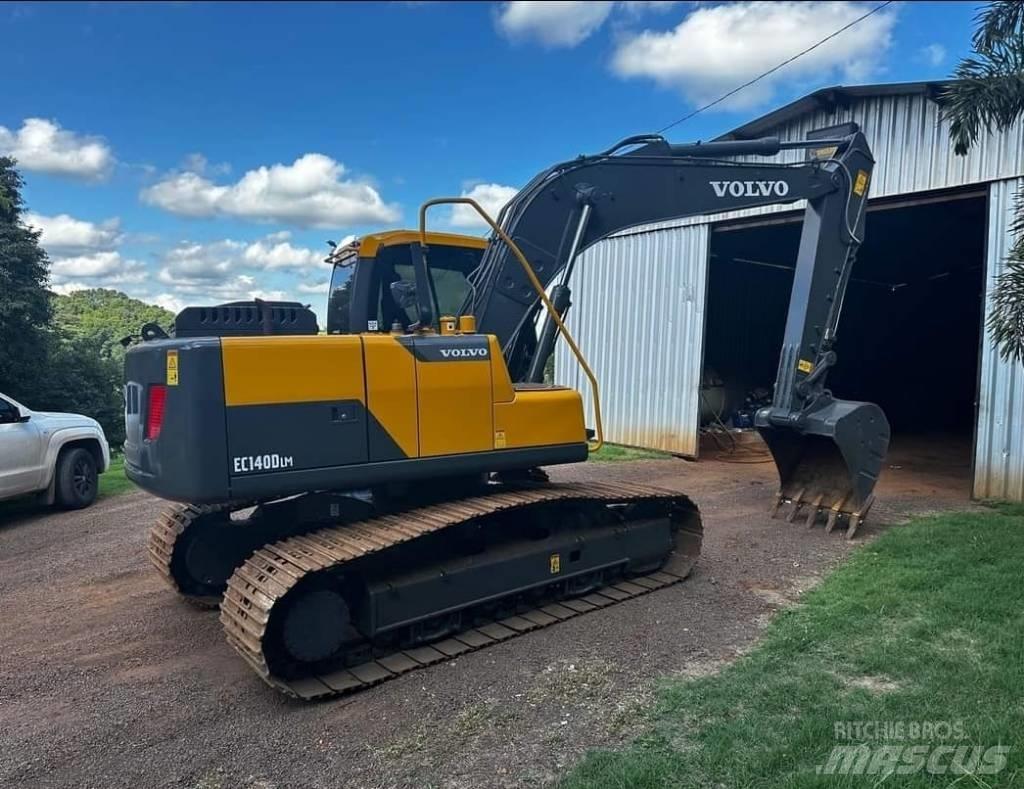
x=988, y=94
x=1006, y=317
x=998, y=23
x=1005, y=322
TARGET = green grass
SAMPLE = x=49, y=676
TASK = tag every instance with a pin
x=611, y=453
x=926, y=624
x=113, y=481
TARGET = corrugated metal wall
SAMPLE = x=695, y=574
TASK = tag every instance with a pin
x=640, y=323
x=999, y=450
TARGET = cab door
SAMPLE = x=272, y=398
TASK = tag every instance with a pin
x=453, y=385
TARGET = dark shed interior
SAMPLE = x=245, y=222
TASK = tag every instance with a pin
x=909, y=334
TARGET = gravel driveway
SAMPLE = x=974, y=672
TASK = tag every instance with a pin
x=107, y=680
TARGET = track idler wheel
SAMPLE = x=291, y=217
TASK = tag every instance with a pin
x=207, y=553
x=314, y=629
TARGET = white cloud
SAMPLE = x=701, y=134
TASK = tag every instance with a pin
x=190, y=261
x=67, y=288
x=639, y=6
x=205, y=264
x=313, y=191
x=281, y=255
x=97, y=264
x=63, y=234
x=240, y=287
x=213, y=272
x=169, y=302
x=109, y=266
x=565, y=24
x=42, y=145
x=84, y=254
x=200, y=165
x=553, y=23
x=933, y=54
x=491, y=197
x=716, y=48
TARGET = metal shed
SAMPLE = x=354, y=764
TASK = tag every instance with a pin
x=644, y=313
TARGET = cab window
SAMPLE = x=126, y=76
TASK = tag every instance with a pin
x=339, y=300
x=449, y=268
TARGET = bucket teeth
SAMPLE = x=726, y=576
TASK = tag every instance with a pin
x=817, y=506
x=857, y=518
x=812, y=516
x=833, y=515
x=798, y=502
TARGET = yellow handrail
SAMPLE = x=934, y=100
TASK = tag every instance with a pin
x=593, y=447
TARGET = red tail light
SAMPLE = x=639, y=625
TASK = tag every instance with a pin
x=155, y=410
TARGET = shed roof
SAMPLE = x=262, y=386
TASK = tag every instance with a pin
x=837, y=95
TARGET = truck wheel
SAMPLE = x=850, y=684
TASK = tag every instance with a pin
x=77, y=481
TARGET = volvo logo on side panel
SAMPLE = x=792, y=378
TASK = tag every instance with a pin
x=436, y=348
x=463, y=353
x=750, y=188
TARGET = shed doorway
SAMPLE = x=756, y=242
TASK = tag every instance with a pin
x=908, y=338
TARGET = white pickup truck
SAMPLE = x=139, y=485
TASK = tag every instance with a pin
x=58, y=456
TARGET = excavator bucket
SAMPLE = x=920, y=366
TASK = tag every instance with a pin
x=829, y=461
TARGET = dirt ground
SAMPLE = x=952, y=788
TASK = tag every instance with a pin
x=107, y=680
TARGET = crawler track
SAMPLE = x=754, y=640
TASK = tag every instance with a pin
x=267, y=577
x=164, y=535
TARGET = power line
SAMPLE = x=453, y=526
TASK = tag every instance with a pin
x=770, y=71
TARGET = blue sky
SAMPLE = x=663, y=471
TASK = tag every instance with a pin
x=193, y=153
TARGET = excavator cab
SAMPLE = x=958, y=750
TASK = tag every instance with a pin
x=370, y=273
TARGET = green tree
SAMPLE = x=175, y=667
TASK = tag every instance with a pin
x=59, y=353
x=83, y=376
x=106, y=316
x=24, y=303
x=86, y=368
x=989, y=95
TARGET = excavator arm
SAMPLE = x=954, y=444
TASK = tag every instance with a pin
x=829, y=452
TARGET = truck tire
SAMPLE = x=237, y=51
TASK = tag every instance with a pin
x=77, y=480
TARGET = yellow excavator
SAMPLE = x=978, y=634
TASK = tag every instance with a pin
x=367, y=501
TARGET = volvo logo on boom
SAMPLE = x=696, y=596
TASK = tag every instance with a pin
x=464, y=353
x=750, y=188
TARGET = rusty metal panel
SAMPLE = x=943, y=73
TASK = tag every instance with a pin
x=999, y=448
x=639, y=320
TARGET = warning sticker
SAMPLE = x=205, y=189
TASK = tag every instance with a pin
x=804, y=366
x=499, y=439
x=861, y=183
x=556, y=563
x=172, y=368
